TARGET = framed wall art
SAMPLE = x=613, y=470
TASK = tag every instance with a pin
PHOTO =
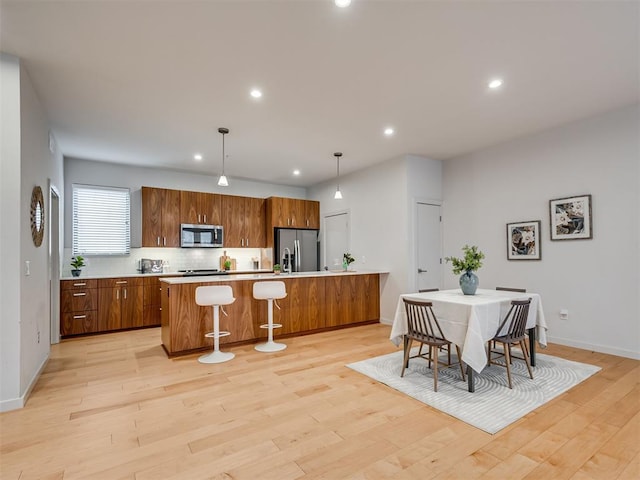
x=570, y=218
x=523, y=240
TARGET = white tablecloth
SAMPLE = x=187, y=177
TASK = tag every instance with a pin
x=470, y=321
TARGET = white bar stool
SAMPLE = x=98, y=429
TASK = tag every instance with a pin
x=270, y=291
x=215, y=296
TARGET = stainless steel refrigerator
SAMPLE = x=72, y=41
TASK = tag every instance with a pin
x=303, y=252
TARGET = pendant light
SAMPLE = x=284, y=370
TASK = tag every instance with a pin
x=338, y=195
x=222, y=181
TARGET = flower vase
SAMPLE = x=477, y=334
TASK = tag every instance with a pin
x=469, y=283
x=76, y=272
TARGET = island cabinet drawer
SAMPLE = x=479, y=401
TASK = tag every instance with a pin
x=78, y=300
x=78, y=284
x=120, y=282
x=78, y=323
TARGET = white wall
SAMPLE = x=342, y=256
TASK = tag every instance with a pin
x=597, y=280
x=9, y=233
x=26, y=162
x=378, y=199
x=38, y=166
x=125, y=176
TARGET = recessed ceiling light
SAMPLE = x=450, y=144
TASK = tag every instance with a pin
x=296, y=172
x=197, y=157
x=495, y=83
x=388, y=131
x=255, y=93
x=342, y=3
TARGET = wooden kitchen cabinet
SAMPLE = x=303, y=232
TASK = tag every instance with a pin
x=243, y=219
x=353, y=297
x=290, y=213
x=200, y=208
x=160, y=217
x=302, y=310
x=120, y=303
x=312, y=304
x=312, y=214
x=151, y=301
x=78, y=307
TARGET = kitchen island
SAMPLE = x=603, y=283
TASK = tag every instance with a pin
x=315, y=301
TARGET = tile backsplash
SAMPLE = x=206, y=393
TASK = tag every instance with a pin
x=175, y=259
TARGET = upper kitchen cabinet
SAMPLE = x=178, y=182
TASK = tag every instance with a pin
x=243, y=219
x=292, y=213
x=312, y=214
x=200, y=208
x=160, y=217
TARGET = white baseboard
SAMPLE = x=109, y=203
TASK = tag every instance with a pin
x=619, y=352
x=21, y=401
x=11, y=404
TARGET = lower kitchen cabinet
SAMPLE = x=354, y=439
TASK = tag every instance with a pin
x=120, y=303
x=109, y=304
x=78, y=307
x=152, y=304
x=312, y=304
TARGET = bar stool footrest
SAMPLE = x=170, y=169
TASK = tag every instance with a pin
x=275, y=325
x=213, y=335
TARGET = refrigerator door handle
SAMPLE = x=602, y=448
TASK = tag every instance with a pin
x=296, y=245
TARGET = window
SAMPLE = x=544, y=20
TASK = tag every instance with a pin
x=101, y=220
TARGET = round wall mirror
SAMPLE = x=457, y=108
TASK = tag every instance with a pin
x=37, y=216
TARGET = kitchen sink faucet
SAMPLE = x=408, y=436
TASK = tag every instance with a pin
x=286, y=260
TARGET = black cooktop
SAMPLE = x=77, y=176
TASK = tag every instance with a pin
x=203, y=271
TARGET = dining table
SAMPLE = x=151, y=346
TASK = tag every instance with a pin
x=470, y=321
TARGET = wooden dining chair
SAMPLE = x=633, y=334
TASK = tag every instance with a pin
x=510, y=289
x=511, y=332
x=444, y=348
x=423, y=327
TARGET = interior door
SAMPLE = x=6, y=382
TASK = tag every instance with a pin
x=336, y=239
x=429, y=246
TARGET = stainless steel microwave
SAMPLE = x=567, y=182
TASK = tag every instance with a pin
x=201, y=236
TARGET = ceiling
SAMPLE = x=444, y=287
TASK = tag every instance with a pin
x=149, y=83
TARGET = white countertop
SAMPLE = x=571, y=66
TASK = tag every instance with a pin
x=166, y=274
x=264, y=276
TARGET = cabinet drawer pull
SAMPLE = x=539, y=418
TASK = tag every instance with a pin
x=80, y=294
x=125, y=293
x=84, y=284
x=158, y=241
x=78, y=317
x=121, y=281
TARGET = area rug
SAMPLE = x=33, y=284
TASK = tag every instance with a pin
x=493, y=405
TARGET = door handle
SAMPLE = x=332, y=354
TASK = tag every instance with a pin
x=422, y=270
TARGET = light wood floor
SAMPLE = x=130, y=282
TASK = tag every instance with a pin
x=114, y=407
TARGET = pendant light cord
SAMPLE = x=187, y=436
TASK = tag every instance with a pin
x=223, y=154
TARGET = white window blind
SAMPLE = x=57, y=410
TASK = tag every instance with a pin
x=101, y=220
